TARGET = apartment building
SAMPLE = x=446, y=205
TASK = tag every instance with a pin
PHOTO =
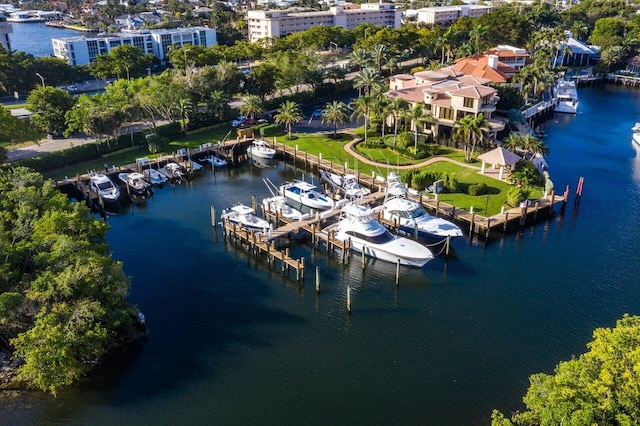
x=82, y=50
x=447, y=96
x=445, y=15
x=279, y=23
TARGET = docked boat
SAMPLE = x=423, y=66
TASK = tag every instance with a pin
x=261, y=149
x=346, y=185
x=636, y=133
x=104, y=187
x=136, y=184
x=566, y=96
x=368, y=236
x=300, y=193
x=278, y=204
x=245, y=217
x=154, y=176
x=175, y=171
x=215, y=161
x=410, y=217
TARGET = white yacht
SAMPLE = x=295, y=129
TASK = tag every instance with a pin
x=636, y=133
x=175, y=171
x=154, y=176
x=136, y=183
x=278, y=204
x=215, y=161
x=300, y=193
x=346, y=185
x=368, y=236
x=104, y=187
x=261, y=149
x=566, y=96
x=410, y=216
x=245, y=217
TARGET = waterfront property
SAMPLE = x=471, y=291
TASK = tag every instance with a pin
x=445, y=15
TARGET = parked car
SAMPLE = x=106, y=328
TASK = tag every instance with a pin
x=238, y=121
x=248, y=122
x=317, y=113
x=72, y=88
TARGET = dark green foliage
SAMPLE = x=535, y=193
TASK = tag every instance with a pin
x=62, y=297
x=524, y=174
x=170, y=129
x=517, y=194
x=271, y=130
x=479, y=188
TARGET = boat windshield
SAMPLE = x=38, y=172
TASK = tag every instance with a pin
x=104, y=185
x=385, y=237
x=419, y=211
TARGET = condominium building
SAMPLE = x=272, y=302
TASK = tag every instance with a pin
x=445, y=15
x=82, y=50
x=447, y=96
x=5, y=30
x=514, y=57
x=279, y=23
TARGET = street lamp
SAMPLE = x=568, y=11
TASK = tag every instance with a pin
x=41, y=78
x=334, y=45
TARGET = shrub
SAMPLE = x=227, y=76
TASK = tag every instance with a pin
x=524, y=173
x=480, y=188
x=516, y=194
x=170, y=129
x=271, y=130
x=404, y=140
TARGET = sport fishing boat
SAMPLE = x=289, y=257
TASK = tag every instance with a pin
x=370, y=237
x=300, y=193
x=566, y=96
x=245, y=217
x=409, y=215
x=346, y=185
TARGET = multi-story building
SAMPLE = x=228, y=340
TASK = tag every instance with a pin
x=5, y=30
x=447, y=96
x=445, y=15
x=278, y=23
x=485, y=66
x=82, y=50
x=514, y=57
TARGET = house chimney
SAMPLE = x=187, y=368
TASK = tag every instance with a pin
x=492, y=60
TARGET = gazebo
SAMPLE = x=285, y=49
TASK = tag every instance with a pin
x=498, y=157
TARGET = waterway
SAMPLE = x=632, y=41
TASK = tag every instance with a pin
x=35, y=38
x=233, y=342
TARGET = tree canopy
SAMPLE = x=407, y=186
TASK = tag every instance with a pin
x=62, y=297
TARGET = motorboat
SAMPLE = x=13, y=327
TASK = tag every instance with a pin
x=278, y=204
x=368, y=236
x=104, y=187
x=300, y=193
x=261, y=149
x=566, y=97
x=175, y=171
x=154, y=176
x=346, y=185
x=409, y=215
x=136, y=184
x=245, y=217
x=215, y=161
x=636, y=133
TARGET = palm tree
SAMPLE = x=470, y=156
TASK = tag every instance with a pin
x=478, y=32
x=184, y=104
x=533, y=145
x=513, y=142
x=367, y=81
x=418, y=117
x=334, y=113
x=360, y=57
x=252, y=106
x=217, y=103
x=288, y=114
x=378, y=55
x=361, y=108
x=470, y=130
x=397, y=108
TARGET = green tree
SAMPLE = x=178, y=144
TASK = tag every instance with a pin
x=13, y=130
x=252, y=107
x=470, y=130
x=334, y=113
x=599, y=387
x=49, y=105
x=288, y=114
x=417, y=116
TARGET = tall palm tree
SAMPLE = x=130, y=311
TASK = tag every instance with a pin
x=478, y=32
x=361, y=109
x=417, y=116
x=334, y=113
x=397, y=108
x=185, y=105
x=360, y=57
x=367, y=81
x=470, y=130
x=252, y=107
x=217, y=103
x=379, y=55
x=288, y=114
x=533, y=145
x=513, y=142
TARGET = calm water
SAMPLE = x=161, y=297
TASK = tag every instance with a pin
x=232, y=342
x=35, y=38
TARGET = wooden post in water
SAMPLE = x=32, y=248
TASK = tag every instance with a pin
x=398, y=272
x=437, y=207
x=301, y=266
x=553, y=196
x=415, y=231
x=317, y=280
x=486, y=235
x=579, y=191
x=506, y=222
x=535, y=212
x=254, y=203
x=213, y=215
x=348, y=299
x=362, y=257
x=448, y=245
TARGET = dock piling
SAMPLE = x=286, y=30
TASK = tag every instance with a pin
x=317, y=280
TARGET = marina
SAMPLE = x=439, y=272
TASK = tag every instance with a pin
x=231, y=338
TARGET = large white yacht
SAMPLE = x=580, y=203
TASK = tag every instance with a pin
x=261, y=149
x=367, y=235
x=410, y=216
x=104, y=187
x=300, y=193
x=566, y=96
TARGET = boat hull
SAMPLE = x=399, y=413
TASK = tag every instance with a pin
x=386, y=252
x=636, y=138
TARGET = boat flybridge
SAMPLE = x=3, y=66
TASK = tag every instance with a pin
x=566, y=96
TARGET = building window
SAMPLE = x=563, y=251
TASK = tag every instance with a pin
x=468, y=102
x=446, y=114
